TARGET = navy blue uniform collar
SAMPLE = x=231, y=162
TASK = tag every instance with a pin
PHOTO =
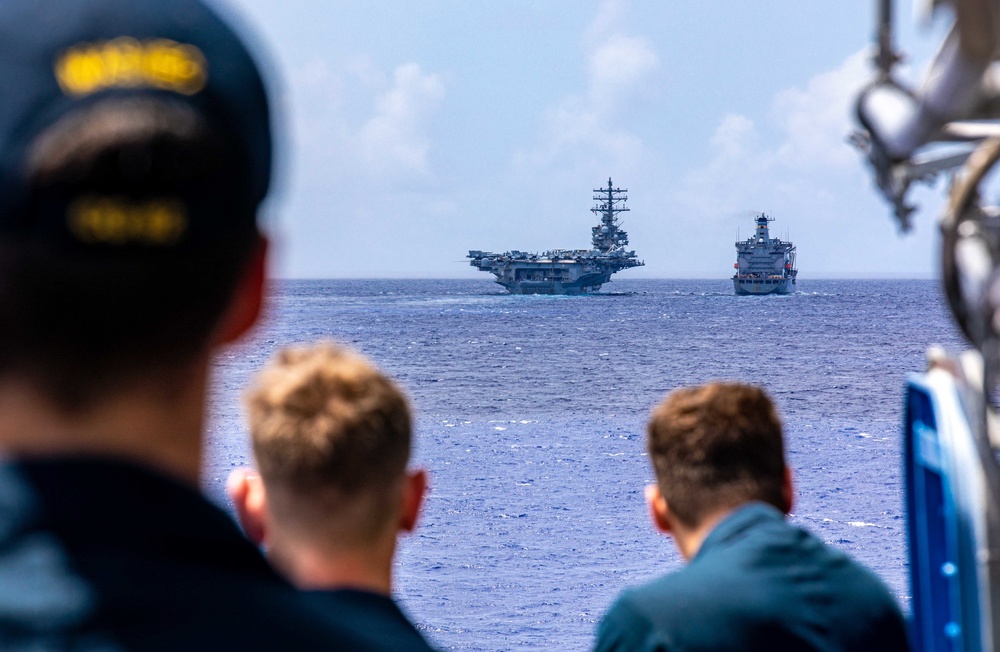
x=100, y=500
x=736, y=523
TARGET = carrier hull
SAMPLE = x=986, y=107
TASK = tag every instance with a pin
x=561, y=278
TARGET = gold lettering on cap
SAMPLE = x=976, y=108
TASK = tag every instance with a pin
x=118, y=221
x=126, y=62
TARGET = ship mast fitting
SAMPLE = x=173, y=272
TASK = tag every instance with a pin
x=608, y=236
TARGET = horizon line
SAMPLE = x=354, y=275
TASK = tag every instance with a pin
x=904, y=276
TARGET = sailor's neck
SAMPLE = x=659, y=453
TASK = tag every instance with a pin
x=145, y=424
x=689, y=540
x=321, y=567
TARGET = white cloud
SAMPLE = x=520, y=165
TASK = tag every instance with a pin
x=395, y=141
x=585, y=128
x=619, y=63
x=804, y=146
x=794, y=163
x=616, y=67
x=609, y=19
x=734, y=139
x=818, y=117
x=359, y=120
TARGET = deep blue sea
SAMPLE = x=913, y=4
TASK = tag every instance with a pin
x=531, y=413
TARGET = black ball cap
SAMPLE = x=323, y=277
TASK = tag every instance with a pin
x=59, y=57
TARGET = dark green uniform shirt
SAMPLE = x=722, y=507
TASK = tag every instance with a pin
x=758, y=583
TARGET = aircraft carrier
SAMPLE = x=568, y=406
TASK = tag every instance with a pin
x=568, y=271
x=764, y=265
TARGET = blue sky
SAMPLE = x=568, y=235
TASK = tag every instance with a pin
x=415, y=131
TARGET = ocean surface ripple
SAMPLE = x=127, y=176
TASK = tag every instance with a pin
x=531, y=413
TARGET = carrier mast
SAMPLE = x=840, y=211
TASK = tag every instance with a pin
x=607, y=236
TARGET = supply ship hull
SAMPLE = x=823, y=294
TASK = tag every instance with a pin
x=764, y=265
x=567, y=271
x=764, y=285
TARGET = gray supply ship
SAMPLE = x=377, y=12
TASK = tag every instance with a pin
x=568, y=271
x=764, y=265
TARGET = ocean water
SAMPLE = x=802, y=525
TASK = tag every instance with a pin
x=530, y=416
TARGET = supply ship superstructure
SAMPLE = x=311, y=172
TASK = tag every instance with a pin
x=568, y=271
x=764, y=265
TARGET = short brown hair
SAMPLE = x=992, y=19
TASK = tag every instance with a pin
x=328, y=426
x=715, y=447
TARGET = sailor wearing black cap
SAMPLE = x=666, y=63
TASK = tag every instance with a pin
x=135, y=150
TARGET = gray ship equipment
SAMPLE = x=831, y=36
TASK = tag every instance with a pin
x=764, y=265
x=567, y=271
x=951, y=430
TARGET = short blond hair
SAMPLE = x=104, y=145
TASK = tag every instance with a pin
x=326, y=423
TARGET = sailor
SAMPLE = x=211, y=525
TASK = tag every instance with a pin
x=135, y=149
x=332, y=438
x=753, y=581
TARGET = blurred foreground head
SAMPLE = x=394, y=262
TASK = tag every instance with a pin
x=332, y=438
x=135, y=150
x=716, y=447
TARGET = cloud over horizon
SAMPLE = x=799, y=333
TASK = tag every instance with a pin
x=418, y=131
x=585, y=127
x=360, y=120
x=394, y=142
x=795, y=163
x=801, y=148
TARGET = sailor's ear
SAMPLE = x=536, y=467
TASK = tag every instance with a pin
x=246, y=490
x=414, y=490
x=787, y=490
x=659, y=510
x=247, y=300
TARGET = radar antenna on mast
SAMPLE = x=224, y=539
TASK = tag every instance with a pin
x=608, y=235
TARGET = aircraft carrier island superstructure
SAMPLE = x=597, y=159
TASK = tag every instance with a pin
x=568, y=271
x=764, y=265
